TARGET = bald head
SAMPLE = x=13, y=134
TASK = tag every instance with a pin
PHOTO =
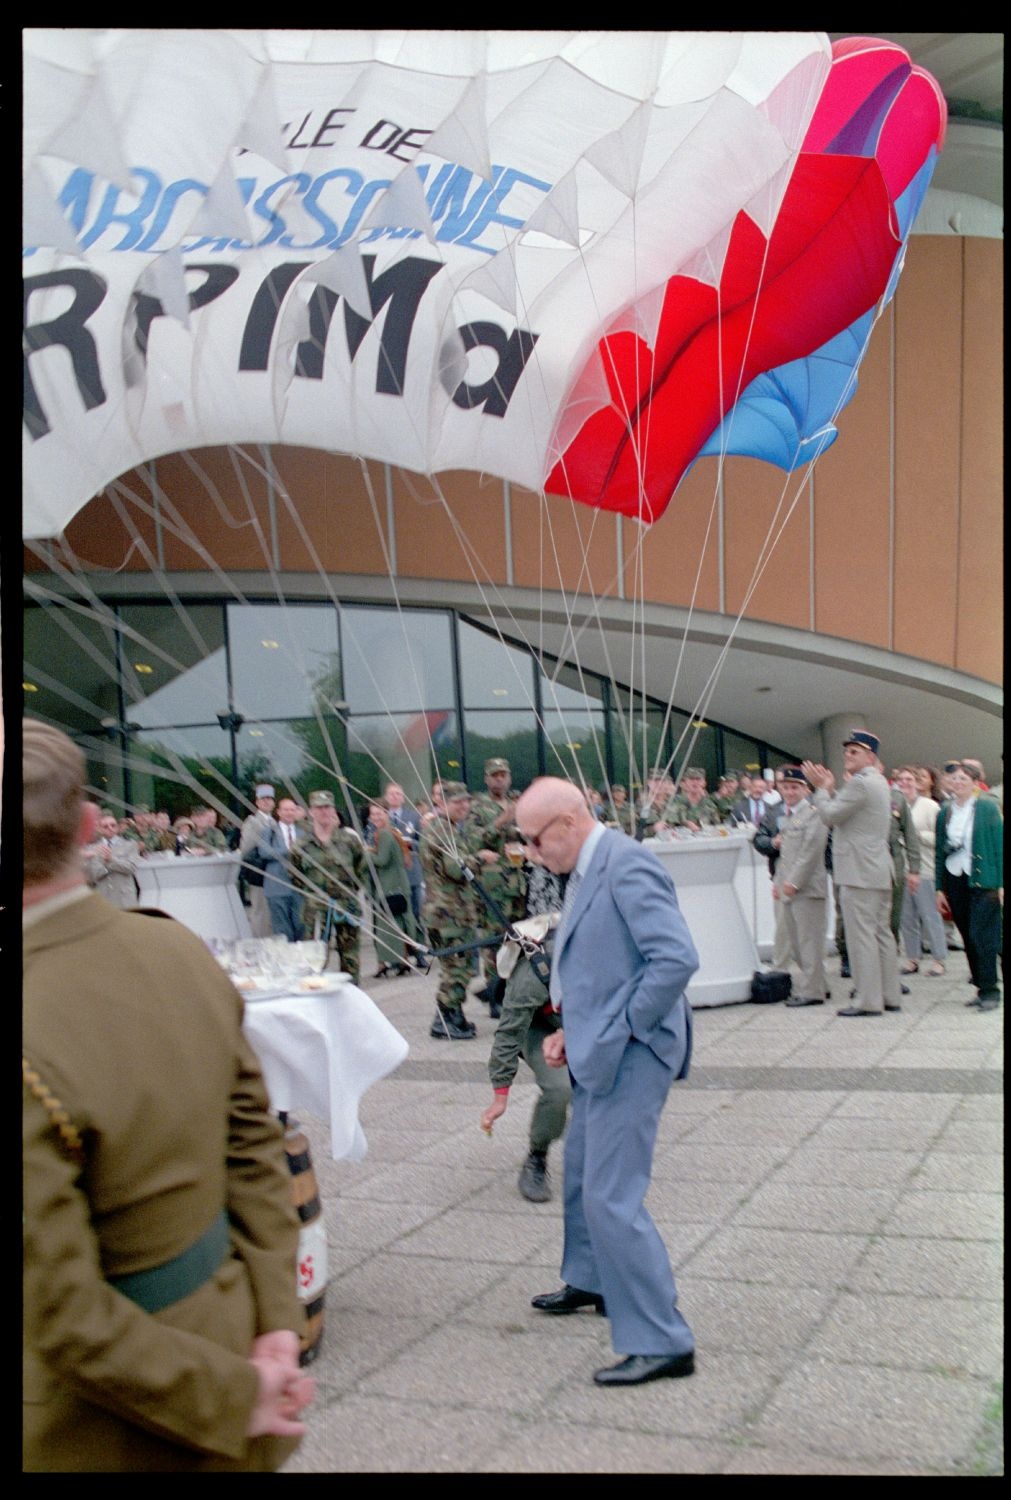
x=553, y=817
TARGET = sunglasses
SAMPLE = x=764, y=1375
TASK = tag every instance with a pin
x=534, y=839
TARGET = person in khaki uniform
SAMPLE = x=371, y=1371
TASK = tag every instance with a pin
x=255, y=828
x=160, y=1310
x=802, y=886
x=860, y=815
x=110, y=861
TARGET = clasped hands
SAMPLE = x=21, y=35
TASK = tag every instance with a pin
x=284, y=1392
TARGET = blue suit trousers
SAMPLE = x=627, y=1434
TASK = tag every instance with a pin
x=612, y=1246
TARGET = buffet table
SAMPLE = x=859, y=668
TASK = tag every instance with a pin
x=321, y=1052
x=201, y=891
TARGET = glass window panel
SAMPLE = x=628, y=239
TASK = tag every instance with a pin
x=412, y=749
x=105, y=780
x=740, y=753
x=396, y=660
x=494, y=675
x=510, y=733
x=575, y=745
x=176, y=768
x=285, y=660
x=174, y=665
x=567, y=687
x=633, y=760
x=698, y=748
x=69, y=668
x=296, y=757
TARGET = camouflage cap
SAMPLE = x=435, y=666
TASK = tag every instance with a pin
x=452, y=789
x=321, y=799
x=694, y=772
x=496, y=763
x=141, y=807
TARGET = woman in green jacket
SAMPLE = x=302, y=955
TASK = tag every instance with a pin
x=391, y=904
x=969, y=858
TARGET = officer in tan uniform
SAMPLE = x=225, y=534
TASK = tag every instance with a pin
x=801, y=884
x=160, y=1311
x=255, y=828
x=860, y=814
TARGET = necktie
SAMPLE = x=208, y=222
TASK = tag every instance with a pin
x=554, y=988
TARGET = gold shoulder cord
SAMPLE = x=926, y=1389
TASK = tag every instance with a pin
x=68, y=1132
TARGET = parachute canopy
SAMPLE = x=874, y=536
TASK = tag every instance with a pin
x=571, y=260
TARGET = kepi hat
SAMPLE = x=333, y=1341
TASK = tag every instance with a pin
x=792, y=773
x=864, y=739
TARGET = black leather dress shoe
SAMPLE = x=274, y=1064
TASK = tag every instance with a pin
x=569, y=1299
x=638, y=1368
x=893, y=1007
x=855, y=1010
x=804, y=1000
x=844, y=971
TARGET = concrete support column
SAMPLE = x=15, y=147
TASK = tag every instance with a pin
x=833, y=731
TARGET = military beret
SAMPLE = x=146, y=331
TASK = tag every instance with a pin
x=496, y=763
x=321, y=799
x=452, y=789
x=862, y=738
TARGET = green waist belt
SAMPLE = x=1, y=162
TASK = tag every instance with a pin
x=161, y=1286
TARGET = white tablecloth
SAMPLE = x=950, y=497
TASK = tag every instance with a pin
x=320, y=1053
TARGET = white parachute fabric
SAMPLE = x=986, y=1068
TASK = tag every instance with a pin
x=402, y=245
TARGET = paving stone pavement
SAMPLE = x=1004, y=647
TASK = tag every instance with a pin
x=831, y=1196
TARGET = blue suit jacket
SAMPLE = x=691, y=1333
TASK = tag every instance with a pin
x=277, y=872
x=624, y=961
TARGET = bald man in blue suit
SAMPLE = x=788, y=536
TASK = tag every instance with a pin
x=623, y=957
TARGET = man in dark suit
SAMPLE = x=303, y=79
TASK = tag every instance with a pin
x=284, y=902
x=623, y=957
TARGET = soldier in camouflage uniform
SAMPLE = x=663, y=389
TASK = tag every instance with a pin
x=490, y=826
x=450, y=913
x=205, y=835
x=727, y=794
x=328, y=864
x=692, y=808
x=145, y=833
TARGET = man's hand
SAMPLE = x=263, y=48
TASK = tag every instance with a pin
x=943, y=907
x=284, y=1391
x=789, y=889
x=818, y=775
x=913, y=882
x=495, y=1111
x=554, y=1049
x=777, y=842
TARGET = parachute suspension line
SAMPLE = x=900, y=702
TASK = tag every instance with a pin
x=384, y=541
